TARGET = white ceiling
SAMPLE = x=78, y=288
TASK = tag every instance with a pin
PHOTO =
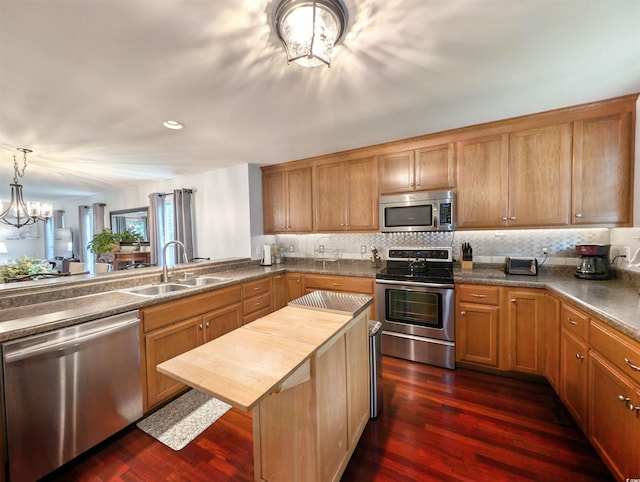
x=87, y=84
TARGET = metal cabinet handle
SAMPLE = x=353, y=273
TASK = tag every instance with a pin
x=631, y=365
x=257, y=303
x=336, y=284
x=298, y=281
x=573, y=322
x=578, y=215
x=257, y=289
x=207, y=324
x=200, y=326
x=513, y=300
x=477, y=295
x=513, y=218
x=463, y=313
x=579, y=356
x=627, y=402
x=504, y=218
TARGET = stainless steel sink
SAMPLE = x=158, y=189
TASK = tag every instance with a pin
x=203, y=281
x=155, y=290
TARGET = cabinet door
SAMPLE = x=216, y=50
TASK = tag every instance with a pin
x=361, y=195
x=329, y=195
x=357, y=353
x=396, y=172
x=279, y=292
x=164, y=344
x=274, y=203
x=614, y=426
x=299, y=201
x=294, y=286
x=526, y=331
x=221, y=322
x=540, y=176
x=435, y=167
x=482, y=182
x=477, y=334
x=602, y=170
x=552, y=329
x=573, y=376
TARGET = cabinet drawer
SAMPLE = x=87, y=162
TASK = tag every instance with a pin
x=257, y=287
x=623, y=352
x=575, y=321
x=338, y=283
x=164, y=314
x=256, y=303
x=484, y=295
x=248, y=318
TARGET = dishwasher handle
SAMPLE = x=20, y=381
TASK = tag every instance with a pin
x=61, y=345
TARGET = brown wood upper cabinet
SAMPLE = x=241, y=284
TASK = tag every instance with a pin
x=602, y=170
x=346, y=195
x=519, y=179
x=422, y=169
x=287, y=200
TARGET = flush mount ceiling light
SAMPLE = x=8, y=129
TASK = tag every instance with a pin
x=19, y=213
x=171, y=124
x=310, y=29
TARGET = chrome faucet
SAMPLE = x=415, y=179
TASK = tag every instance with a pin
x=165, y=270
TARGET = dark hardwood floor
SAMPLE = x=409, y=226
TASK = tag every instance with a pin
x=436, y=425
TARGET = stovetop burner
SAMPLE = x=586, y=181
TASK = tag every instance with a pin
x=424, y=265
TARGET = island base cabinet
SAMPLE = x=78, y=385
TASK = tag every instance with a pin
x=309, y=431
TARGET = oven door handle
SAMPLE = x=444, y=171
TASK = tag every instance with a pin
x=413, y=283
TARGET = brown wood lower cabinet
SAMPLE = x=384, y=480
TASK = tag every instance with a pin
x=526, y=330
x=552, y=346
x=172, y=328
x=256, y=299
x=478, y=325
x=573, y=376
x=294, y=288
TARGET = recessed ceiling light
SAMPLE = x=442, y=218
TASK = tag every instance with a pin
x=170, y=124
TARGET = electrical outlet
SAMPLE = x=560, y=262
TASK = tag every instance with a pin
x=545, y=250
x=363, y=249
x=291, y=248
x=258, y=250
x=626, y=251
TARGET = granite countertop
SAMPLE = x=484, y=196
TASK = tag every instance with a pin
x=26, y=311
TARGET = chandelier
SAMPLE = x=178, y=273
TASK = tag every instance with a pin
x=20, y=213
x=310, y=29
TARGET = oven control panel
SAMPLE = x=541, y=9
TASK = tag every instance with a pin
x=429, y=254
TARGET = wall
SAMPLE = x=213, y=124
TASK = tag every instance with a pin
x=221, y=209
x=488, y=246
x=22, y=241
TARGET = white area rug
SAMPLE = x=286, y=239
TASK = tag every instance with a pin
x=182, y=420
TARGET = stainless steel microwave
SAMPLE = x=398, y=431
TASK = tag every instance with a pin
x=420, y=211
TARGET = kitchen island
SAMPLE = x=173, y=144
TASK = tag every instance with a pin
x=303, y=371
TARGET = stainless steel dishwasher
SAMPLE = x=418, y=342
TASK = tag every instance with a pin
x=69, y=389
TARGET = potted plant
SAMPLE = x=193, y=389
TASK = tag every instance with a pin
x=25, y=268
x=104, y=242
x=131, y=237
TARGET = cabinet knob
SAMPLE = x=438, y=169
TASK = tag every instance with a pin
x=207, y=324
x=463, y=313
x=578, y=215
x=627, y=402
x=631, y=365
x=200, y=326
x=298, y=281
x=504, y=218
x=513, y=218
x=513, y=300
x=579, y=356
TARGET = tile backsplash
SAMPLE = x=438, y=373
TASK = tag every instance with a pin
x=488, y=246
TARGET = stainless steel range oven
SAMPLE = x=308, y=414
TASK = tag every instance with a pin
x=415, y=302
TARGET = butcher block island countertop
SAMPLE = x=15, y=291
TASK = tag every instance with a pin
x=304, y=372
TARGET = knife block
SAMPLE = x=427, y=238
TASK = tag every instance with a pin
x=467, y=265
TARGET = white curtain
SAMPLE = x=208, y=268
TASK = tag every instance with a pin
x=183, y=222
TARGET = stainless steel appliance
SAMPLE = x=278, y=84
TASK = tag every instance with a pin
x=421, y=211
x=69, y=389
x=525, y=266
x=415, y=299
x=594, y=261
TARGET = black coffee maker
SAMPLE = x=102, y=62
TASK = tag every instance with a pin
x=594, y=261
